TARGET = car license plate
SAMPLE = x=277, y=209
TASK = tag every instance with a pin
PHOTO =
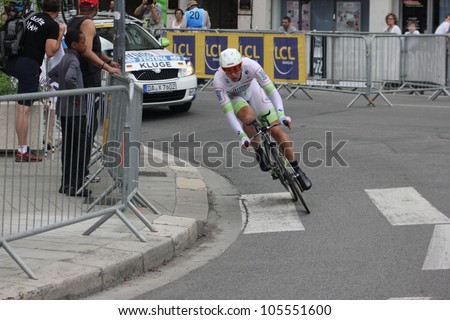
x=159, y=87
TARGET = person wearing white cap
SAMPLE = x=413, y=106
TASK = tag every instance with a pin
x=196, y=17
x=245, y=92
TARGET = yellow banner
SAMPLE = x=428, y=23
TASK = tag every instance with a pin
x=282, y=56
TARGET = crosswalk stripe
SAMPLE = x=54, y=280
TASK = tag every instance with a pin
x=273, y=212
x=405, y=206
x=438, y=256
x=411, y=298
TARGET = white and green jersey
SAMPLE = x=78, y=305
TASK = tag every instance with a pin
x=254, y=89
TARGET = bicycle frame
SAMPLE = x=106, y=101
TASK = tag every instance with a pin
x=280, y=166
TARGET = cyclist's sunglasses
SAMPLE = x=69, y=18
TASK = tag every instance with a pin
x=233, y=69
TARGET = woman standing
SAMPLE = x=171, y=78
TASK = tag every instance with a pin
x=392, y=27
x=178, y=22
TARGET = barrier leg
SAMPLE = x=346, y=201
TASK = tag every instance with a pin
x=207, y=84
x=384, y=98
x=130, y=226
x=17, y=259
x=101, y=197
x=295, y=90
x=98, y=224
x=141, y=216
x=438, y=93
x=142, y=199
x=354, y=100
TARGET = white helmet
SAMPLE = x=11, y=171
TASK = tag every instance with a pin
x=230, y=58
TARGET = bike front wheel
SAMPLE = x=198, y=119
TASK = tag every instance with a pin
x=288, y=178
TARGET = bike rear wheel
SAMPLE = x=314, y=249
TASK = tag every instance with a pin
x=288, y=177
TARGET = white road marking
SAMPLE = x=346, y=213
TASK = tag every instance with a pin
x=412, y=298
x=420, y=106
x=405, y=206
x=269, y=213
x=438, y=256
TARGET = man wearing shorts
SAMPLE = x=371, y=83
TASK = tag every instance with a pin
x=42, y=36
x=244, y=90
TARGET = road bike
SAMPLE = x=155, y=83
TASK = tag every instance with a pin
x=279, y=165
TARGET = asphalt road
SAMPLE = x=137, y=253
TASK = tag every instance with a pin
x=379, y=227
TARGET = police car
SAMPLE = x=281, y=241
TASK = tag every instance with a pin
x=166, y=79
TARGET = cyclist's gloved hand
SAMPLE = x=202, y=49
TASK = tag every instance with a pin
x=245, y=142
x=286, y=121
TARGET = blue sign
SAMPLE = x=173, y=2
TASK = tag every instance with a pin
x=214, y=45
x=253, y=48
x=185, y=46
x=286, y=58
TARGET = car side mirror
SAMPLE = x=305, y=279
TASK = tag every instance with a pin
x=164, y=42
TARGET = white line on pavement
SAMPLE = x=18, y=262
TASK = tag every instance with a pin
x=411, y=298
x=421, y=106
x=269, y=213
x=438, y=256
x=405, y=206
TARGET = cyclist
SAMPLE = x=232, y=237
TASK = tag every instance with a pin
x=243, y=90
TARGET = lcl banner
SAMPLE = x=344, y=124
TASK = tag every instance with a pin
x=283, y=57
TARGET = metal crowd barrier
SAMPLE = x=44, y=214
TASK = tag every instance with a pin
x=368, y=65
x=31, y=201
x=372, y=65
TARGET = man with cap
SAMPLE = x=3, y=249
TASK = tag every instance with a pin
x=92, y=62
x=196, y=17
x=151, y=12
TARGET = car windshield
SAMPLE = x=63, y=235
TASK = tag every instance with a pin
x=136, y=37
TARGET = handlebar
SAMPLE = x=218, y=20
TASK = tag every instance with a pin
x=262, y=129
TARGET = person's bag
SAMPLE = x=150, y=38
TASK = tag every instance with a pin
x=12, y=35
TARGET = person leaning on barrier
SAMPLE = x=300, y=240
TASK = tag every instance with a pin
x=151, y=12
x=72, y=111
x=195, y=17
x=444, y=27
x=42, y=36
x=92, y=62
x=243, y=90
x=286, y=26
x=392, y=27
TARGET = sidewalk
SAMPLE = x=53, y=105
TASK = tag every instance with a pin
x=69, y=265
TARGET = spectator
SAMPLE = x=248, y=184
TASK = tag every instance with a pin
x=412, y=28
x=392, y=27
x=11, y=9
x=4, y=16
x=91, y=63
x=444, y=27
x=195, y=17
x=286, y=25
x=179, y=21
x=72, y=112
x=111, y=6
x=42, y=36
x=151, y=12
x=50, y=106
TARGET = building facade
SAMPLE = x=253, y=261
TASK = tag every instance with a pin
x=320, y=15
